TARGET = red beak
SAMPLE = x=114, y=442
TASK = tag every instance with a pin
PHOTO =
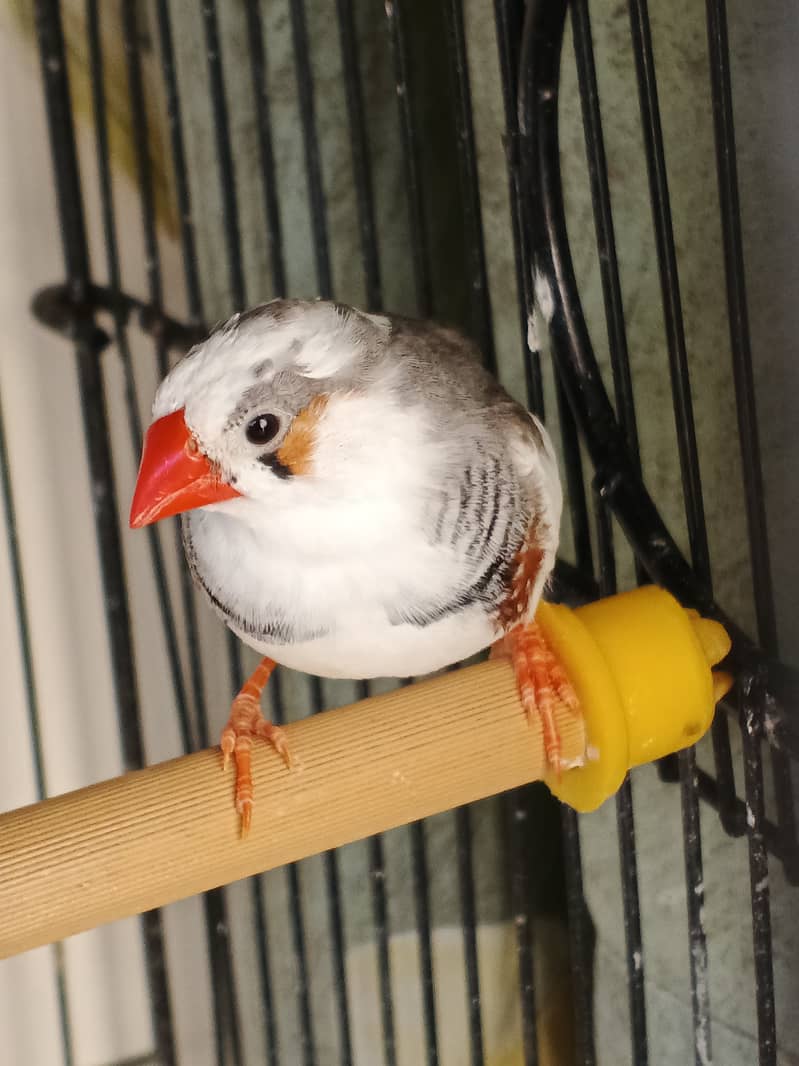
x=174, y=475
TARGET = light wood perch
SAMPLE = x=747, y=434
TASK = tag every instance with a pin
x=160, y=834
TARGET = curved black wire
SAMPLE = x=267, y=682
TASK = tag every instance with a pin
x=617, y=479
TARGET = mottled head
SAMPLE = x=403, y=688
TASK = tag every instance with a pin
x=246, y=410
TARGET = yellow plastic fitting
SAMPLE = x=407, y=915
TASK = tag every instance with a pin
x=641, y=667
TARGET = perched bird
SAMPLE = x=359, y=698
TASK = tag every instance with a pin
x=360, y=498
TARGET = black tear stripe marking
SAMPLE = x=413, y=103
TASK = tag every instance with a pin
x=279, y=469
x=466, y=491
x=275, y=627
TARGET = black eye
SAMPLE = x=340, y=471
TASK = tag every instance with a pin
x=263, y=429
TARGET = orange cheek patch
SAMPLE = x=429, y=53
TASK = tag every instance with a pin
x=296, y=451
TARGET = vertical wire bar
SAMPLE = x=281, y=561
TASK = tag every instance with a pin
x=87, y=348
x=483, y=333
x=313, y=165
x=509, y=16
x=692, y=489
x=361, y=167
x=377, y=874
x=230, y=216
x=421, y=898
x=625, y=822
x=97, y=68
x=195, y=305
x=307, y=1044
x=226, y=1025
x=603, y=223
x=371, y=266
x=537, y=100
x=517, y=817
x=580, y=942
x=424, y=304
x=32, y=705
x=469, y=918
x=467, y=159
x=670, y=283
x=625, y=406
x=752, y=700
x=194, y=298
x=420, y=253
x=274, y=230
x=740, y=343
x=179, y=167
x=695, y=892
x=336, y=919
x=227, y=182
x=324, y=285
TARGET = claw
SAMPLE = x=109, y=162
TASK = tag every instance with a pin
x=543, y=686
x=245, y=723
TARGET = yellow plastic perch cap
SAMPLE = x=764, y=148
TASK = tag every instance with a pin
x=641, y=667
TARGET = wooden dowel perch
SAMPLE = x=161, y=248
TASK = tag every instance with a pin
x=160, y=834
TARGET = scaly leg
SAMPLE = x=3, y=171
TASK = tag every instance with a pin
x=246, y=721
x=542, y=681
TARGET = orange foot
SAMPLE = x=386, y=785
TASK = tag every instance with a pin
x=543, y=684
x=246, y=722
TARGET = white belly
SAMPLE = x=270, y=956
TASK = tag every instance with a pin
x=375, y=648
x=335, y=592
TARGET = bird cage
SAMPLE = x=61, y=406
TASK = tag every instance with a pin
x=564, y=186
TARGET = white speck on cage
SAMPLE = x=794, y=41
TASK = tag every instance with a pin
x=638, y=961
x=702, y=918
x=762, y=884
x=544, y=303
x=699, y=888
x=520, y=815
x=400, y=88
x=389, y=6
x=53, y=65
x=750, y=817
x=770, y=717
x=533, y=336
x=520, y=921
x=701, y=1046
x=592, y=753
x=572, y=764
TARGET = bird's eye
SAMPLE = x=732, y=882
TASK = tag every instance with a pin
x=263, y=429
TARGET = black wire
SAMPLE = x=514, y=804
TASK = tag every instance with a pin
x=463, y=827
x=361, y=166
x=510, y=20
x=420, y=263
x=480, y=303
x=752, y=694
x=740, y=343
x=224, y=153
x=226, y=1023
x=33, y=712
x=88, y=344
x=420, y=252
x=274, y=229
x=306, y=1026
x=313, y=165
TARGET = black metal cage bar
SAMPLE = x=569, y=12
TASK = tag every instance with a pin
x=599, y=439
